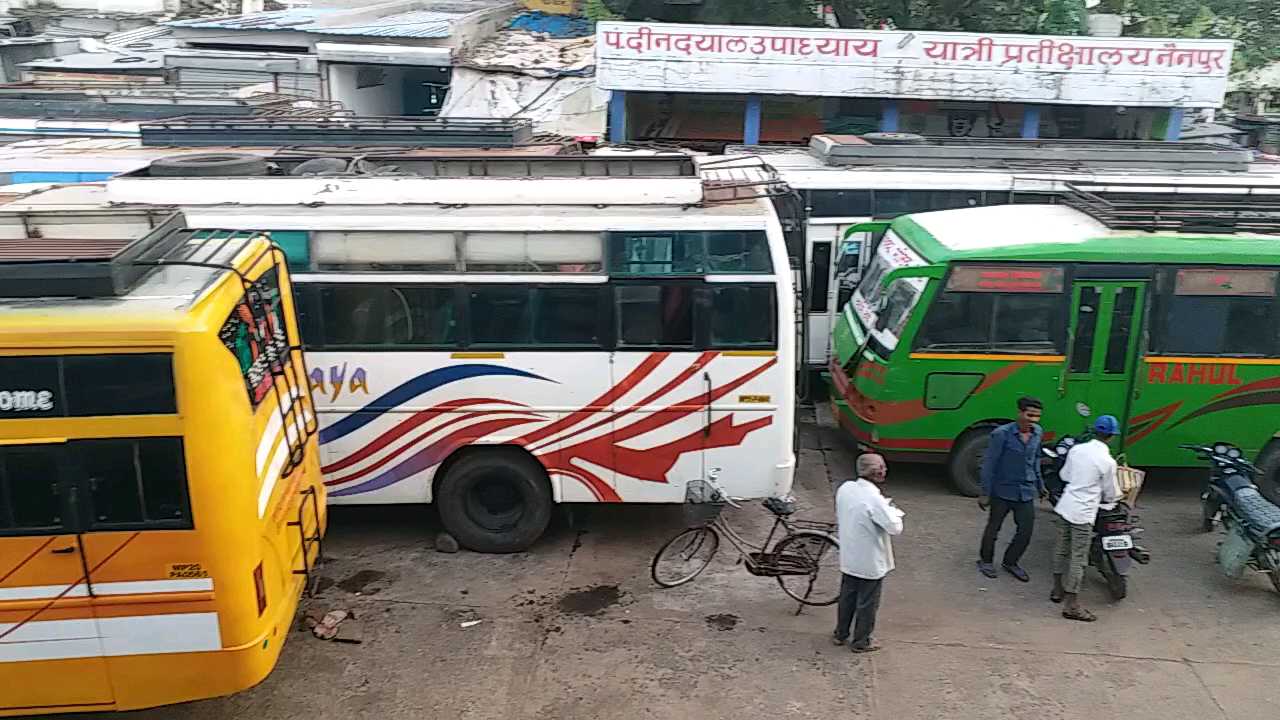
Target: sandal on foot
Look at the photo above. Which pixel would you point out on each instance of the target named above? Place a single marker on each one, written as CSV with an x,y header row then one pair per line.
x,y
1079,614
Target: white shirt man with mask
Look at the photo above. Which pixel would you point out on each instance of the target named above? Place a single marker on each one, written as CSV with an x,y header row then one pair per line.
x,y
865,519
1090,477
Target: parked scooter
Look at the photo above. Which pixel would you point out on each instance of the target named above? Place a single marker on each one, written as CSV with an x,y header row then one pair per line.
x,y
1113,549
1251,521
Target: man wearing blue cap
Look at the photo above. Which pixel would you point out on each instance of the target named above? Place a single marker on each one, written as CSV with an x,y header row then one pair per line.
x,y
1090,477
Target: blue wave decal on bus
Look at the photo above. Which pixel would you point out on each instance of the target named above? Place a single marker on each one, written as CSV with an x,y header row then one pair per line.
x,y
411,389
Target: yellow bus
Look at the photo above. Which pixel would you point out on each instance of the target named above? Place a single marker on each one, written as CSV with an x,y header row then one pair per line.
x,y
161,505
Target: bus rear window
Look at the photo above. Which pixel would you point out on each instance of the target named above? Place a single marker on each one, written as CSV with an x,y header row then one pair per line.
x,y
87,385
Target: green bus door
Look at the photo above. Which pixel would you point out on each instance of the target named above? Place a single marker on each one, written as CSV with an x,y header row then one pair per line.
x,y
1102,352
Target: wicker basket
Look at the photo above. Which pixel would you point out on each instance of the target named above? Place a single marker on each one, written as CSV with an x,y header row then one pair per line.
x,y
1130,480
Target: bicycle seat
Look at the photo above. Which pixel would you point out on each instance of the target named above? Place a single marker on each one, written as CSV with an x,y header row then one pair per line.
x,y
780,506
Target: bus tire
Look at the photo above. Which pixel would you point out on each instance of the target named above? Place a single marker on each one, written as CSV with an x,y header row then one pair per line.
x,y
1269,470
495,500
965,464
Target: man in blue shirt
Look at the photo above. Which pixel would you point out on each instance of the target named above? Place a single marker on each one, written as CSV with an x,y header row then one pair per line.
x,y
1011,482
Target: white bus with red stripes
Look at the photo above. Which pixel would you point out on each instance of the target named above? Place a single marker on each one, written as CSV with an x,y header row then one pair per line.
x,y
583,331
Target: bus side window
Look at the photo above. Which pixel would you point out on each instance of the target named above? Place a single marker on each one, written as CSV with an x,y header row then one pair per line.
x,y
29,501
1000,322
655,315
743,316
1220,312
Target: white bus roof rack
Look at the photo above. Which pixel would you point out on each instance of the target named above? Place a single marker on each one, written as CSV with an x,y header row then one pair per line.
x,y
459,181
913,150
111,267
1179,208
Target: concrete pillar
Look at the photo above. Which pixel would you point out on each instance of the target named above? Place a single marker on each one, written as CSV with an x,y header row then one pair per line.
x,y
889,116
1030,122
617,116
751,121
1173,130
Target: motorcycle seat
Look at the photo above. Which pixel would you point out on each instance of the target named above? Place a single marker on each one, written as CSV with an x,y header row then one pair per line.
x,y
1261,514
1236,482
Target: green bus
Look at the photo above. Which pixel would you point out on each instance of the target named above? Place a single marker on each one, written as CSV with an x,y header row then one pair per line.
x,y
1168,324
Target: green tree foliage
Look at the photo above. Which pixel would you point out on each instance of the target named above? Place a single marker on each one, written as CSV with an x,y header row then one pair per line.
x,y
798,13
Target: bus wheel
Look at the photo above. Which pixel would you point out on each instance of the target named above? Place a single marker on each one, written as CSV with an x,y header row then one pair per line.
x,y
1269,471
495,500
965,464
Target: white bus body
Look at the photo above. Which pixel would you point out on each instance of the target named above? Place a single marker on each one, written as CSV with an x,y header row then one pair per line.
x,y
568,334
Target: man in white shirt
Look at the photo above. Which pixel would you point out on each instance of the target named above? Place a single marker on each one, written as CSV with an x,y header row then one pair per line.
x,y
865,520
1090,477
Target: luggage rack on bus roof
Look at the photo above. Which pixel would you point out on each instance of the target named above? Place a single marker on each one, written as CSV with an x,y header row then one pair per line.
x,y
110,267
1178,208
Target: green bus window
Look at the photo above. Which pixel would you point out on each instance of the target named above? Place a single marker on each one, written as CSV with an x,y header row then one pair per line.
x,y
28,491
1004,322
1086,328
655,315
742,316
901,297
1121,328
1221,312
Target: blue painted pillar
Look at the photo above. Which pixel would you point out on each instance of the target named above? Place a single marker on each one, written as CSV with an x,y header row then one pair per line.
x,y
751,121
1173,131
889,116
1030,122
618,116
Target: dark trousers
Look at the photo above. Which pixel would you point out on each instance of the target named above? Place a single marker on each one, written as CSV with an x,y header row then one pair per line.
x,y
1024,515
859,599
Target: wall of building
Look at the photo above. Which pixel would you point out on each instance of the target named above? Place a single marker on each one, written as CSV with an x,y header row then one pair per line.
x,y
368,90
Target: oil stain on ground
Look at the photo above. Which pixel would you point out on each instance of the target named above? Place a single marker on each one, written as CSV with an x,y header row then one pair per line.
x,y
359,583
722,621
590,601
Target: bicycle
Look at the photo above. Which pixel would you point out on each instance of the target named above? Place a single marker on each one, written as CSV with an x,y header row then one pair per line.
x,y
805,561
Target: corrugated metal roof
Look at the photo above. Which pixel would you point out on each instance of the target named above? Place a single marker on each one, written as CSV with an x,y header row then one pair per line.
x,y
142,34
435,21
413,24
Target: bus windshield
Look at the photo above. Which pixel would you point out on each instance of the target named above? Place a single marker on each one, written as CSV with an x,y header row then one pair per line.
x,y
881,310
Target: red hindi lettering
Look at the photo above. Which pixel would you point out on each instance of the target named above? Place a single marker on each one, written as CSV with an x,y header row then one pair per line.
x,y
1043,53
1210,60
760,45
833,46
735,44
639,40
682,42
1110,56
710,43
1139,56
941,50
1015,53
868,48
978,50
613,38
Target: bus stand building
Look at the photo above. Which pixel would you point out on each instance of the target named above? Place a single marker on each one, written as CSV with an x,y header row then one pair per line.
x,y
746,84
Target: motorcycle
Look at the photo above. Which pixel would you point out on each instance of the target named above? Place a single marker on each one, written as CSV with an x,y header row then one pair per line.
x,y
1251,522
1113,549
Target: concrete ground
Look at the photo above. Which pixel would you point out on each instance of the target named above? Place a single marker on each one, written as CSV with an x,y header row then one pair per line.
x,y
576,628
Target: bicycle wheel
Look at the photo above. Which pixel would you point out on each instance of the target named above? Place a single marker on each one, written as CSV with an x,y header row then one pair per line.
x,y
820,556
684,556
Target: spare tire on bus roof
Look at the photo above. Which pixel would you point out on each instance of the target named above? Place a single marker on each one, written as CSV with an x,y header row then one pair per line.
x,y
893,138
209,165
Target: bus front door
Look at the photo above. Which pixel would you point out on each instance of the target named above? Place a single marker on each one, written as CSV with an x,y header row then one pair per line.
x,y
50,647
1105,329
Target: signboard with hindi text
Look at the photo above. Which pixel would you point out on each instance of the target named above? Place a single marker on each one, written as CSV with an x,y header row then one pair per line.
x,y
662,57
